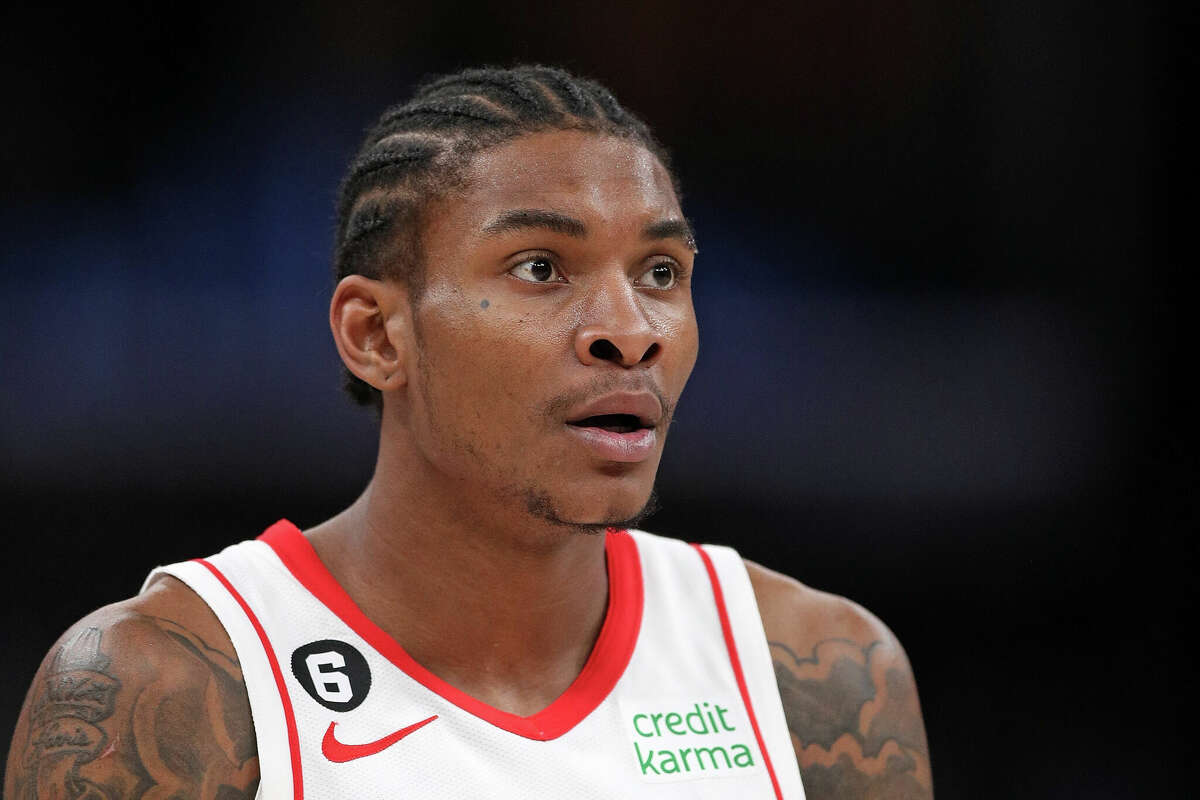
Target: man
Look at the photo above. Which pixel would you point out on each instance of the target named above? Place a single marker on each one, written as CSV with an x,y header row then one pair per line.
x,y
514,298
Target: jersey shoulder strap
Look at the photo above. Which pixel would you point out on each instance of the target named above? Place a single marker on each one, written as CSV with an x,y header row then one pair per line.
x,y
716,575
234,582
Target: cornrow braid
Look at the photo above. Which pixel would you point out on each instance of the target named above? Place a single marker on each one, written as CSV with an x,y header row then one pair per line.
x,y
419,149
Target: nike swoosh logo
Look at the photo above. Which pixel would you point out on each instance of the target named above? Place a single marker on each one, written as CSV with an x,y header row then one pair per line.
x,y
340,753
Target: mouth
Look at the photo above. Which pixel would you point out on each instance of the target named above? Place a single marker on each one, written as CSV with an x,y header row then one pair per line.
x,y
613,423
620,438
618,427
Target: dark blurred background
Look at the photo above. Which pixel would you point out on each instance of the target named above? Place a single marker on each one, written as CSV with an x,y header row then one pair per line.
x,y
938,320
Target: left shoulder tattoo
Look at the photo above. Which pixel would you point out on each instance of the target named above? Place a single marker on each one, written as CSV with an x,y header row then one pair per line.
x,y
855,721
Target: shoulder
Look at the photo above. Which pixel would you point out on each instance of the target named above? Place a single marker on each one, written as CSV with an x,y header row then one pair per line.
x,y
142,694
795,612
848,693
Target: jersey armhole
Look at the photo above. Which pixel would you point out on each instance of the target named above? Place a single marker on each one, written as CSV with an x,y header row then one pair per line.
x,y
747,640
270,705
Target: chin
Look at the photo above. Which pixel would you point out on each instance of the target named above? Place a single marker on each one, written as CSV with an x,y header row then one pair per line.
x,y
618,512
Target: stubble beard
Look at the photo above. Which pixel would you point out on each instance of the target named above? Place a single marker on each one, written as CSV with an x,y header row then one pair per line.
x,y
540,504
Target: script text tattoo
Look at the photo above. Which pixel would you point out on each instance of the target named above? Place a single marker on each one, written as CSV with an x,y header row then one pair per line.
x,y
102,726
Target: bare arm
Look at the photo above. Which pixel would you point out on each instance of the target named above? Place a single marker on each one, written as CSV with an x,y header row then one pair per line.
x,y
848,694
133,704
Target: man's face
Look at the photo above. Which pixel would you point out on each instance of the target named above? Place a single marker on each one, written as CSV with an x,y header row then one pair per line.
x,y
556,329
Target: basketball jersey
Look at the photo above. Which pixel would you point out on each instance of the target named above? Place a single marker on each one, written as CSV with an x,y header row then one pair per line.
x,y
677,700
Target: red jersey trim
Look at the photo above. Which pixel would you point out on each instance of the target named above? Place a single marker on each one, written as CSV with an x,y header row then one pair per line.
x,y
736,662
607,662
285,699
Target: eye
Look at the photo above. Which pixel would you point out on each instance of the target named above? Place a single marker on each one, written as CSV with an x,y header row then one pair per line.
x,y
539,269
662,275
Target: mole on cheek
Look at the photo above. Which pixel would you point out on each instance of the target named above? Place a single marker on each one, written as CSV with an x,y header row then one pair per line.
x,y
484,303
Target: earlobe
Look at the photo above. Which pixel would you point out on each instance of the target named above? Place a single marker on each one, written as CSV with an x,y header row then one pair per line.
x,y
369,322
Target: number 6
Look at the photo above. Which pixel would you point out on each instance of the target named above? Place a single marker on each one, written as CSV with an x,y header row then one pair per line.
x,y
330,684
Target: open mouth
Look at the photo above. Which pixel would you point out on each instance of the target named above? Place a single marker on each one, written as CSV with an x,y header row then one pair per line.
x,y
620,438
614,423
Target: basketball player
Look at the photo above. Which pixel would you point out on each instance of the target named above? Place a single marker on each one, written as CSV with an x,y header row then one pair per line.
x,y
514,297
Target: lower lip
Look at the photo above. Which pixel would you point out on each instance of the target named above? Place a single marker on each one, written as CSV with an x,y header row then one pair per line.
x,y
629,447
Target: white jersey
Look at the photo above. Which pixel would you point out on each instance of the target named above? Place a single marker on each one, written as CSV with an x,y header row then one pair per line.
x,y
677,700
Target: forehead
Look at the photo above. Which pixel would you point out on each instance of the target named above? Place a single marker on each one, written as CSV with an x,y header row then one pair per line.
x,y
584,174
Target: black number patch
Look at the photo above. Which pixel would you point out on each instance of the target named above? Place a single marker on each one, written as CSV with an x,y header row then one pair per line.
x,y
333,673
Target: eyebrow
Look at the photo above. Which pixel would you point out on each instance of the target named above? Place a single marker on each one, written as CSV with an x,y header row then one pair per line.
x,y
672,229
520,219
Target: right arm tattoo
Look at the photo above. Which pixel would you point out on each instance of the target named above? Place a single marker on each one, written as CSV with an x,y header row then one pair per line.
x,y
141,708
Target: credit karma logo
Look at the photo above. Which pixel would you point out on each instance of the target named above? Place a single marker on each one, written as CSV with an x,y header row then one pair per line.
x,y
674,740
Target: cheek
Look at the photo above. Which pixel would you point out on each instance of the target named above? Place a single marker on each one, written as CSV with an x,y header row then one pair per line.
x,y
487,374
682,336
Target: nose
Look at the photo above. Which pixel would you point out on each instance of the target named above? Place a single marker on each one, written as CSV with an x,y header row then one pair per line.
x,y
619,332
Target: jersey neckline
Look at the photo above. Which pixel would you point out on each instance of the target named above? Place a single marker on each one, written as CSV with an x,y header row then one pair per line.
x,y
605,665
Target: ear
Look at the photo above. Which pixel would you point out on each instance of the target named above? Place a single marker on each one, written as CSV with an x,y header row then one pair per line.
x,y
372,327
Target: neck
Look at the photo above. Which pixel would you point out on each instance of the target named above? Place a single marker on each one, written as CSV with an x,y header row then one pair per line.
x,y
498,604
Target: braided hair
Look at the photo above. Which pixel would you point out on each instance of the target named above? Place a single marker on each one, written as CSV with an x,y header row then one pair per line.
x,y
419,150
